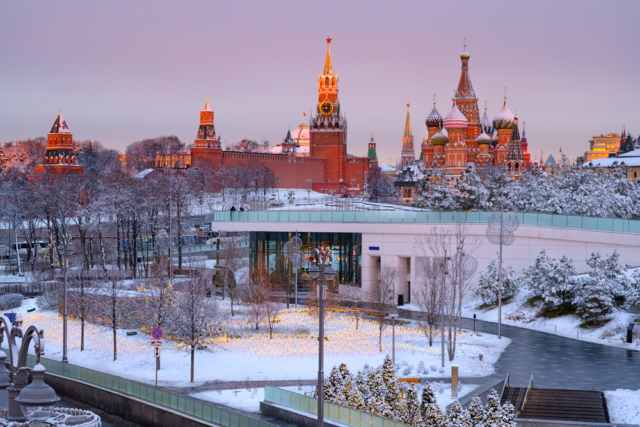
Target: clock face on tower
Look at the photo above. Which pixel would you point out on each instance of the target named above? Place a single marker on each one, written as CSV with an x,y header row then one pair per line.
x,y
326,108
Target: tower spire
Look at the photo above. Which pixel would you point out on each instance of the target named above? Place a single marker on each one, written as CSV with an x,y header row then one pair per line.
x,y
407,125
328,66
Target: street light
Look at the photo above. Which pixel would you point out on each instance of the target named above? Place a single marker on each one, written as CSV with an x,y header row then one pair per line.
x,y
66,250
393,348
37,396
321,270
37,399
443,266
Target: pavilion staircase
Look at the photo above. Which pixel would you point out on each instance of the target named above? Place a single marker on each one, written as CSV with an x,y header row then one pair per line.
x,y
555,404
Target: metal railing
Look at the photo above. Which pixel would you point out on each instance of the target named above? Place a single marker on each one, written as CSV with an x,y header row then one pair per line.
x,y
332,411
424,217
504,387
181,404
524,402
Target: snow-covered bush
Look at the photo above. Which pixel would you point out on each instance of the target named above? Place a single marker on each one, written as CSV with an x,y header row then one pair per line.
x,y
48,300
550,279
407,370
421,367
488,283
10,301
434,368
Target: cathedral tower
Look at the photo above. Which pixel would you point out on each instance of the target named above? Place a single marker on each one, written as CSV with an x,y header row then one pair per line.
x,y
328,129
503,123
408,154
466,99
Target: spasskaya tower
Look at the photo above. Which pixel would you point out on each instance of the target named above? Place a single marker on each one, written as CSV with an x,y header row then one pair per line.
x,y
328,128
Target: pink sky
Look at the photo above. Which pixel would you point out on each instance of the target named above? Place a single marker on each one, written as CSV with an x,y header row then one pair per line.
x,y
122,71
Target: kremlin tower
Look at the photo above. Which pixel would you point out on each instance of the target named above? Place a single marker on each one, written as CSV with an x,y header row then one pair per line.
x,y
408,153
60,155
372,155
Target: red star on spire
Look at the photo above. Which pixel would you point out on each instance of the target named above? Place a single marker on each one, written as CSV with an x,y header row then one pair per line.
x,y
329,40
407,105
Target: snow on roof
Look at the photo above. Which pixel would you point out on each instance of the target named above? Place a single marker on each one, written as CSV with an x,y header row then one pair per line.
x,y
633,153
387,168
144,173
607,162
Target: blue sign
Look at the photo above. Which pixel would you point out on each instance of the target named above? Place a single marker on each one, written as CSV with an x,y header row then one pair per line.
x,y
374,248
157,333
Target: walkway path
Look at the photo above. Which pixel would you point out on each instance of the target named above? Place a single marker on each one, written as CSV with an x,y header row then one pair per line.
x,y
558,362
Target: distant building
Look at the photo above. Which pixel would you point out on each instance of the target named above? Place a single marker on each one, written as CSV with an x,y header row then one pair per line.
x,y
601,146
60,155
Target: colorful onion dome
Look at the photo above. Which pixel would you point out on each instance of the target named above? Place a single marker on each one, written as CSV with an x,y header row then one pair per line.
x,y
504,119
484,139
487,126
455,119
465,54
434,120
440,138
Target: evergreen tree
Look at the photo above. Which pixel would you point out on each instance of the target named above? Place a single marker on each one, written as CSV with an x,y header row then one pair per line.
x,y
344,371
411,415
394,394
496,415
537,277
594,299
363,387
333,391
430,412
476,412
488,283
458,417
564,283
351,395
377,404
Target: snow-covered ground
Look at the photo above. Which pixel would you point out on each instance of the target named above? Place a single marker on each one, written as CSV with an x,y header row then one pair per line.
x,y
249,399
623,406
514,313
288,356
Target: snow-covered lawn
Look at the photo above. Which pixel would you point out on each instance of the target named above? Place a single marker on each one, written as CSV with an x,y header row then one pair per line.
x,y
289,356
249,400
623,406
514,313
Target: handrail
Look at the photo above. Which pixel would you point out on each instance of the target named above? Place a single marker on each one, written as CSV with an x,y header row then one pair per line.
x,y
526,395
181,404
504,386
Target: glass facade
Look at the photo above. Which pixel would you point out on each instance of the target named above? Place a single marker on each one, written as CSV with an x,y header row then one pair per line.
x,y
266,253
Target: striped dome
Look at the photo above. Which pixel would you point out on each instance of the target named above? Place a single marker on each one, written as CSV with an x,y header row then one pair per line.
x,y
487,126
434,120
504,119
440,138
455,119
484,139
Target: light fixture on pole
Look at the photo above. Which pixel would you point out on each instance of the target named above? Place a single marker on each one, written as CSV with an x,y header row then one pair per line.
x,y
321,270
66,251
500,232
37,399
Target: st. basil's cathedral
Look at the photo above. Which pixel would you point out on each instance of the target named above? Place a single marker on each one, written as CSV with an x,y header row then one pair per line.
x,y
462,139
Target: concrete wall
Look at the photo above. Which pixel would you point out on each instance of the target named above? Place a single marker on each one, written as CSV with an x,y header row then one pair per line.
x,y
135,410
397,243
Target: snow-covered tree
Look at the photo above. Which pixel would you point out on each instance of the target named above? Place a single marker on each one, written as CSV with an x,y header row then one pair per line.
x,y
488,283
476,412
115,307
435,193
430,412
411,413
351,395
497,415
594,298
378,404
195,315
362,384
333,389
550,279
458,416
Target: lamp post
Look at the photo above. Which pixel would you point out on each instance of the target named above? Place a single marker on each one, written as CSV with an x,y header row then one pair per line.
x,y
66,250
24,399
445,272
393,348
321,270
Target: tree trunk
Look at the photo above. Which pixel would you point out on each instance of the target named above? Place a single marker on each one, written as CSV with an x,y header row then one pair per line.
x,y
115,344
82,333
193,350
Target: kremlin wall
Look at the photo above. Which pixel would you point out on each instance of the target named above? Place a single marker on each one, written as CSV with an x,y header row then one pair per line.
x,y
316,153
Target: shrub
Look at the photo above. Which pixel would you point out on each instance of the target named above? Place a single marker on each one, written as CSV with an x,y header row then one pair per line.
x,y
10,301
